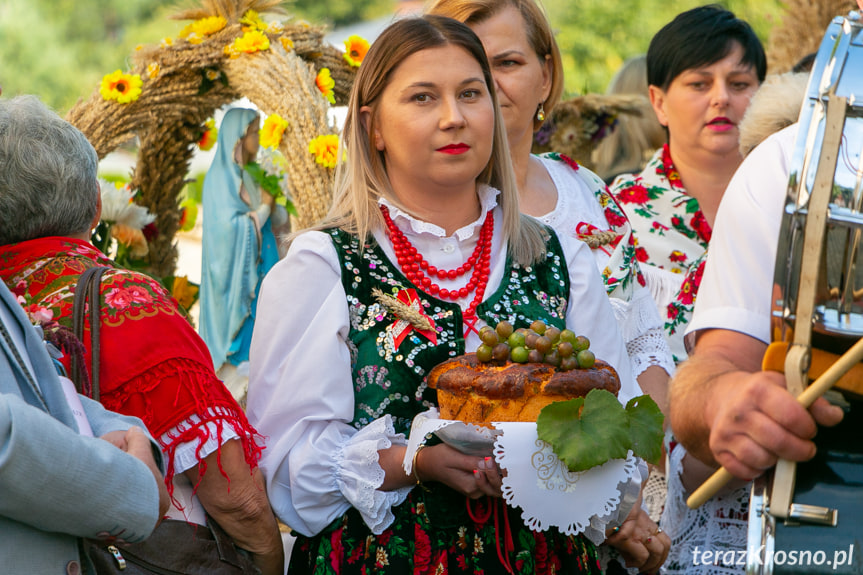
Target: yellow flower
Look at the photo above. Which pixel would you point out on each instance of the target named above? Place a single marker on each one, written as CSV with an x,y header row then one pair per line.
x,y
287,43
153,70
167,42
253,20
132,238
122,87
326,150
213,75
139,47
272,130
325,84
250,42
275,28
199,29
211,134
184,292
355,50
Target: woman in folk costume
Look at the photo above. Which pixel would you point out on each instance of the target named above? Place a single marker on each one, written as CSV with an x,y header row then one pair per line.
x,y
152,363
425,210
238,242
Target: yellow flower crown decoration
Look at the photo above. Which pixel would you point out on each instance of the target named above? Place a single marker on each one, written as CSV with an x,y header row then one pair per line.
x,y
123,88
325,83
272,130
326,150
250,42
197,31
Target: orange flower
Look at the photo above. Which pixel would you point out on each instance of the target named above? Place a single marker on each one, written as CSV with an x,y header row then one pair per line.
x,y
131,238
325,84
122,87
326,150
184,291
355,50
272,130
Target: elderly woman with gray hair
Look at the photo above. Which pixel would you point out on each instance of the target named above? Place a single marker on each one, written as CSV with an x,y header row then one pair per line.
x,y
152,363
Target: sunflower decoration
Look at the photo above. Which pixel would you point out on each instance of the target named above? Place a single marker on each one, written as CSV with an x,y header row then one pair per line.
x,y
251,20
272,130
326,150
123,88
325,83
355,50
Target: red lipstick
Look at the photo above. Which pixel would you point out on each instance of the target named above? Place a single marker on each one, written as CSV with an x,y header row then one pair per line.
x,y
454,149
720,124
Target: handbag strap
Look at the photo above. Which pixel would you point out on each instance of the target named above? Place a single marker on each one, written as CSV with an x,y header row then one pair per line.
x,y
88,288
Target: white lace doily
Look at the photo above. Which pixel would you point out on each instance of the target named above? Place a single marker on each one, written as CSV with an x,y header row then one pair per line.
x,y
548,494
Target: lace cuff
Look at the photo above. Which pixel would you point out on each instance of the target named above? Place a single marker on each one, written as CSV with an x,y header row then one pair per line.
x,y
649,349
359,475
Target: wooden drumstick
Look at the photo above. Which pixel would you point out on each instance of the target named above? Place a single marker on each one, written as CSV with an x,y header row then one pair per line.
x,y
829,378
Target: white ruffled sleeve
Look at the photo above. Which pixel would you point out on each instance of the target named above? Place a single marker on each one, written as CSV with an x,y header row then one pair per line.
x,y
642,330
590,313
317,465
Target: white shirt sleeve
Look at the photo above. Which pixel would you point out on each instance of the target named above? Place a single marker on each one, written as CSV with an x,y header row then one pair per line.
x,y
736,291
301,397
590,314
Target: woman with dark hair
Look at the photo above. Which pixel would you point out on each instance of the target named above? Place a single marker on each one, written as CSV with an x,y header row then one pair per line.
x,y
333,385
702,70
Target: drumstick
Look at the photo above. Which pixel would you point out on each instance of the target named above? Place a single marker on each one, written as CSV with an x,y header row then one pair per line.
x,y
716,481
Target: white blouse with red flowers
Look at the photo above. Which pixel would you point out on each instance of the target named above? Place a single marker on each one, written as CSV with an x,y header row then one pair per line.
x,y
672,240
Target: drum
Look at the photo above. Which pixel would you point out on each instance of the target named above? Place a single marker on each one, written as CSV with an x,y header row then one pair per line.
x,y
811,520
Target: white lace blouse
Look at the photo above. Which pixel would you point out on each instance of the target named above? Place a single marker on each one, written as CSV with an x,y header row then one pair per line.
x,y
317,465
637,317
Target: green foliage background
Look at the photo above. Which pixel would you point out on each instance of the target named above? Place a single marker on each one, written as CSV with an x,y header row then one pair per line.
x,y
60,49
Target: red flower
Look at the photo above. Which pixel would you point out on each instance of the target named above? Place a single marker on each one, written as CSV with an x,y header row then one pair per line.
x,y
614,218
569,162
660,227
677,256
150,231
676,221
673,310
137,294
635,194
701,227
541,553
422,551
20,288
641,254
117,298
337,550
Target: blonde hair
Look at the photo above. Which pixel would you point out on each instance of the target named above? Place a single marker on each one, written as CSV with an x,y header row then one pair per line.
x,y
539,34
635,137
363,180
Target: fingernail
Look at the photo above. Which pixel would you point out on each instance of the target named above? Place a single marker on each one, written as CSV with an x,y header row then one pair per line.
x,y
476,474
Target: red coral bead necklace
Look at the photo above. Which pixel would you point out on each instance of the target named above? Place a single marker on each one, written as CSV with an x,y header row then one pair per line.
x,y
415,267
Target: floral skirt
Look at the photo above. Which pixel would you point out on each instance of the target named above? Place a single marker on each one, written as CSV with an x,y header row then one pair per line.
x,y
434,532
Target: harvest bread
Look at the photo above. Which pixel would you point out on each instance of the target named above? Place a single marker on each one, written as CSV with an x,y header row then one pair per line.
x,y
477,392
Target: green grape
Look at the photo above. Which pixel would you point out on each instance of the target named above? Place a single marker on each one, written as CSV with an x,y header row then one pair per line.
x,y
543,344
538,326
484,353
568,335
516,340
552,358
552,333
504,329
519,354
534,356
564,348
500,352
489,336
568,363
585,358
530,340
581,343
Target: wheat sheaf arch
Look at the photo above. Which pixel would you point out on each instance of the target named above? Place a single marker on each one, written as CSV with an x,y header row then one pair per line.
x,y
185,82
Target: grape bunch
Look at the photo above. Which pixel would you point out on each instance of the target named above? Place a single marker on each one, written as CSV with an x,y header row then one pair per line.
x,y
538,344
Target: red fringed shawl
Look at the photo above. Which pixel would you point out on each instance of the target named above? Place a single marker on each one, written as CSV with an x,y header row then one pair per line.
x,y
153,364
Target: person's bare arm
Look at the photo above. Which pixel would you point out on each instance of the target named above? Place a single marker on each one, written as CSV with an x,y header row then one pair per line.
x,y
727,412
239,504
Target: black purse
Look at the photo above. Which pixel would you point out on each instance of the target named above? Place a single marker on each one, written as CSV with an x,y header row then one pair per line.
x,y
175,547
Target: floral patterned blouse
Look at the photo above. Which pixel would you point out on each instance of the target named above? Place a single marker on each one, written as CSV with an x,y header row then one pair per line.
x,y
672,240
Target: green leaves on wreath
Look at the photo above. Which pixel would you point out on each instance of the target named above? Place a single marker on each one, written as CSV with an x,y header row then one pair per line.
x,y
588,431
